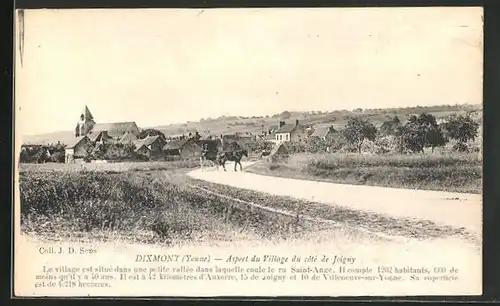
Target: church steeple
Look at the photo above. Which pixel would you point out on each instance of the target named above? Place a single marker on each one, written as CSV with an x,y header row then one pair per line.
x,y
85,124
87,115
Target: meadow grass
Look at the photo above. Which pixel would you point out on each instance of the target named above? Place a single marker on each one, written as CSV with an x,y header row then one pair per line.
x,y
143,206
455,172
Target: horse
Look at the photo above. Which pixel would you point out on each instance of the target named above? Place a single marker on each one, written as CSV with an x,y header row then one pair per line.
x,y
235,156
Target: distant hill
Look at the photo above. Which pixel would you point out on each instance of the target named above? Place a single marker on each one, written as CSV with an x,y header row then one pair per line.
x,y
256,124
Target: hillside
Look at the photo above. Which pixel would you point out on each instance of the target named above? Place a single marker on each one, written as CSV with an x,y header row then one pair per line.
x,y
239,124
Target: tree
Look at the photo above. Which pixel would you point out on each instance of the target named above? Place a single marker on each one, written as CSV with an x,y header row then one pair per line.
x,y
151,132
431,132
259,145
462,129
298,146
57,153
35,154
285,115
389,127
315,145
410,138
357,130
420,132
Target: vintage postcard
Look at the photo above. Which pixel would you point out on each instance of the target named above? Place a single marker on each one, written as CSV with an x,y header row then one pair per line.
x,y
248,152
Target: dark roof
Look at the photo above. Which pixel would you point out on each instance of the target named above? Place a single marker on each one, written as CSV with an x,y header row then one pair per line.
x,y
321,131
128,137
93,136
150,140
177,144
146,141
115,129
75,142
287,128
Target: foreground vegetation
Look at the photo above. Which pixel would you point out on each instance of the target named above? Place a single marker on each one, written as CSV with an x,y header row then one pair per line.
x,y
454,172
141,206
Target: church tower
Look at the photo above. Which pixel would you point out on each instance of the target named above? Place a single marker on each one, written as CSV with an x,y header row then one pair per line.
x,y
86,123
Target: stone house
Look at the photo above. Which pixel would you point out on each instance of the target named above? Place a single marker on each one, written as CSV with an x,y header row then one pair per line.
x,y
290,132
79,149
183,149
152,146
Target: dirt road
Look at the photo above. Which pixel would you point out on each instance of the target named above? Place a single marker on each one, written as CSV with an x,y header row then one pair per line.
x,y
454,209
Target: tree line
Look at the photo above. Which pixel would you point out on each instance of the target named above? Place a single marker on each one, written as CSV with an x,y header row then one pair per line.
x,y
417,133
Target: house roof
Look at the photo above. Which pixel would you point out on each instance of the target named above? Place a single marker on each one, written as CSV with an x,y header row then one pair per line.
x,y
141,146
75,142
287,128
150,140
93,136
146,141
321,131
128,137
116,128
176,144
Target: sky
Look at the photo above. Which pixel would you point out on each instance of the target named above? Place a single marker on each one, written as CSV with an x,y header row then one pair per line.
x,y
157,67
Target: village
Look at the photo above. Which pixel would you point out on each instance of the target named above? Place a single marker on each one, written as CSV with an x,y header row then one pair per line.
x,y
126,141
91,138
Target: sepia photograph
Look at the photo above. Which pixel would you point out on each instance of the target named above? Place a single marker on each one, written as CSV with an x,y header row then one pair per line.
x,y
248,152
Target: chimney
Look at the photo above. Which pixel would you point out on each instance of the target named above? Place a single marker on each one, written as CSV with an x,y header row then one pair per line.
x,y
282,123
296,122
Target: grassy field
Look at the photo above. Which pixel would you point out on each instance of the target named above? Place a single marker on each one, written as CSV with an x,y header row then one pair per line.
x,y
146,206
455,172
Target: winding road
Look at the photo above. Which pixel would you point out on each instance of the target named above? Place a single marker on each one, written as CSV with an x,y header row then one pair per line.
x,y
444,208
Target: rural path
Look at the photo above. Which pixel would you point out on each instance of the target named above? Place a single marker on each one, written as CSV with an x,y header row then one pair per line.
x,y
445,208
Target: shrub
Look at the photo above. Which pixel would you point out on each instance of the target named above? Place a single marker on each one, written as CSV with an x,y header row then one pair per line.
x,y
386,144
